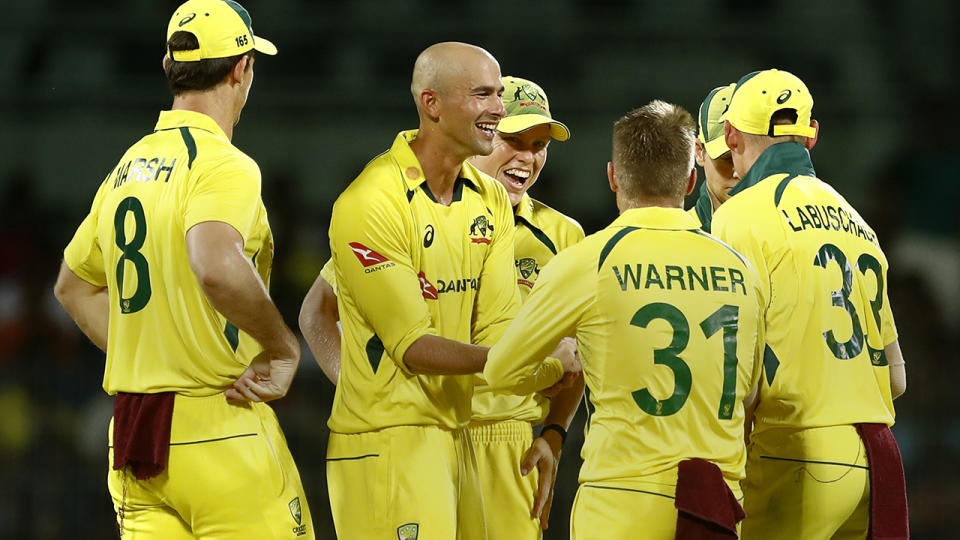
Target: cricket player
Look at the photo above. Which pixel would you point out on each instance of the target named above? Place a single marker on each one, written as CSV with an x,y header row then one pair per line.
x,y
713,155
501,425
832,362
168,274
669,327
422,246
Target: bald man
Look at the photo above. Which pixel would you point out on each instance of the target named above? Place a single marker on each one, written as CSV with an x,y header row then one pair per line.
x,y
422,246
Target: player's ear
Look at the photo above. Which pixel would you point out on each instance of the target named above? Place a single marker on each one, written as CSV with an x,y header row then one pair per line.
x,y
429,102
698,153
691,181
612,178
731,136
236,74
163,63
811,142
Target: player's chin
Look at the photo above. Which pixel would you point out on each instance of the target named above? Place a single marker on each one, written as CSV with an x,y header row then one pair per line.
x,y
483,147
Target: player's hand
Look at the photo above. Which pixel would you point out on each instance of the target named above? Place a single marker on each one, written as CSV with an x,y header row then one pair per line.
x,y
267,378
569,357
542,456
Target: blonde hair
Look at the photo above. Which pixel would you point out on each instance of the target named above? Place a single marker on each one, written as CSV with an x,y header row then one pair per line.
x,y
653,151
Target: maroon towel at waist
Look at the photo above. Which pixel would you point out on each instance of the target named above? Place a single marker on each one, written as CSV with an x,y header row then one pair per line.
x,y
706,508
141,432
888,492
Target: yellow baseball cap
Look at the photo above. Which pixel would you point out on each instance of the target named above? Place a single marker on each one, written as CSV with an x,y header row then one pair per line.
x,y
527,106
760,94
710,125
222,27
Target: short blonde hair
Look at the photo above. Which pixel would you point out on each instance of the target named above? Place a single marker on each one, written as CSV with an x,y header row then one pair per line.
x,y
653,150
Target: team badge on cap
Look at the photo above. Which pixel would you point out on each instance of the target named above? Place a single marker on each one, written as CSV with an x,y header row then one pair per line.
x,y
527,106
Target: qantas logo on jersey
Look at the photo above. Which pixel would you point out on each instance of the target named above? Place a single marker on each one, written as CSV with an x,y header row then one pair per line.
x,y
367,256
429,291
479,228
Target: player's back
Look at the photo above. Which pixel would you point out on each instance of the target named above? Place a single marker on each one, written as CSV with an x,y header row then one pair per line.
x,y
669,347
828,319
163,333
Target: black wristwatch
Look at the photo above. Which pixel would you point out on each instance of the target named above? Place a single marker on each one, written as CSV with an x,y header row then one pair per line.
x,y
558,428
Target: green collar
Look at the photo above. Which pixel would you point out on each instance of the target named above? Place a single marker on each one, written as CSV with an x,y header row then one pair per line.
x,y
787,157
791,158
704,208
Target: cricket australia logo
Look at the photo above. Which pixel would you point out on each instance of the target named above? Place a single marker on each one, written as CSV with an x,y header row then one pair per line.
x,y
410,531
479,229
294,506
528,95
528,269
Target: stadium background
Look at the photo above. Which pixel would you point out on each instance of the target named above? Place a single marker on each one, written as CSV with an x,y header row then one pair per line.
x,y
82,80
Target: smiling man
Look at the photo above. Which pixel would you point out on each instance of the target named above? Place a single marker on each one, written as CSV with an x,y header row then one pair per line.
x,y
422,246
501,424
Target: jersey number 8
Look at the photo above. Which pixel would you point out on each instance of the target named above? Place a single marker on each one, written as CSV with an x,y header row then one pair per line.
x,y
131,252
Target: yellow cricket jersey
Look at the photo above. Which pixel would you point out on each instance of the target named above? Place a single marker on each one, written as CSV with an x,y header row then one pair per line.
x,y
541,232
668,322
696,217
828,317
407,266
164,335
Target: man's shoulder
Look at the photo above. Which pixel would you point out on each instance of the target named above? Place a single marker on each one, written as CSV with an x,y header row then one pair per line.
x,y
379,180
547,217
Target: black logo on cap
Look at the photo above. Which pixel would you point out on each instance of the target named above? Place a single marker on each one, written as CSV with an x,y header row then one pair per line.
x,y
784,96
186,19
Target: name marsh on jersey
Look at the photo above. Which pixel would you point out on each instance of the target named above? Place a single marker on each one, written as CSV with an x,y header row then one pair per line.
x,y
676,277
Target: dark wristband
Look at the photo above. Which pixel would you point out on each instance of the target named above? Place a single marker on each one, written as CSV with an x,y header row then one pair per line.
x,y
558,428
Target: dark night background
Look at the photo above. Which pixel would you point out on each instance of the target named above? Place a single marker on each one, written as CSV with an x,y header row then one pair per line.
x,y
81,81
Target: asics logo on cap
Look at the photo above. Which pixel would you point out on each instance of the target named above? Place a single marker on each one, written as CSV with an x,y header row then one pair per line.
x,y
784,96
186,19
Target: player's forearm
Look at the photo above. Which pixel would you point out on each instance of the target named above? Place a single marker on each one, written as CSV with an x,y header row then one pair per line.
x,y
435,355
318,323
563,406
87,304
898,372
235,290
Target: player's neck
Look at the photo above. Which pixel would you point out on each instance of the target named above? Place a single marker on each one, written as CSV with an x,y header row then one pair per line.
x,y
211,103
624,204
441,165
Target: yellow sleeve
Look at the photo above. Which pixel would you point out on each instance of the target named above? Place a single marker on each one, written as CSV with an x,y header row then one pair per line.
x,y
228,192
387,294
498,298
329,275
561,296
83,254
